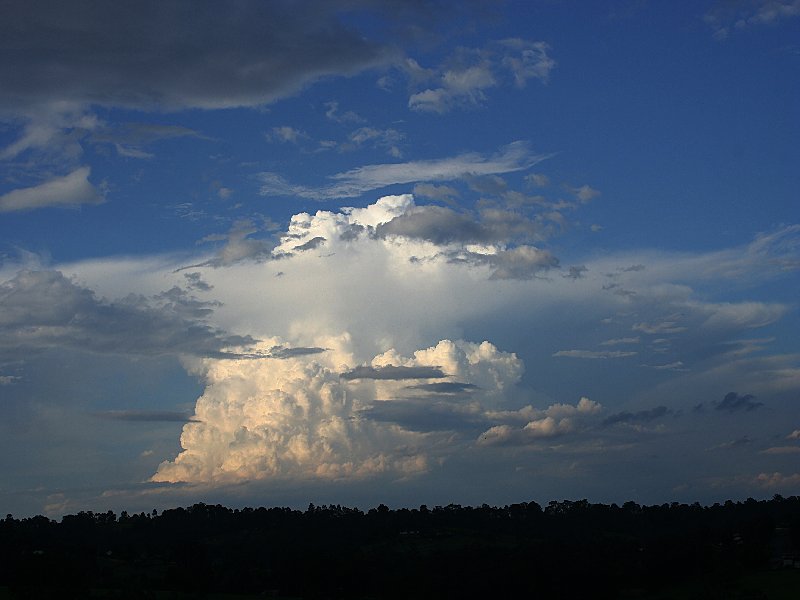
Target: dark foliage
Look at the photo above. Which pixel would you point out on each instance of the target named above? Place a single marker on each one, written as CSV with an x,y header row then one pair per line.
x,y
565,550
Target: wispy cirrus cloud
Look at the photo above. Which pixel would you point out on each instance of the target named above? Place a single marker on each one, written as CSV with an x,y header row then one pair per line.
x,y
725,17
516,156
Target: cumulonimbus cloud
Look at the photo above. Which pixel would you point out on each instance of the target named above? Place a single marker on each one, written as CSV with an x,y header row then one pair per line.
x,y
301,418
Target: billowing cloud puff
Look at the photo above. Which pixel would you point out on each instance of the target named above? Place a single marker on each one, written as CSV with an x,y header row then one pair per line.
x,y
556,420
307,416
431,233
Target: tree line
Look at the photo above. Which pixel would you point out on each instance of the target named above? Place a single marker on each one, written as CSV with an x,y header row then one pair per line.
x,y
565,549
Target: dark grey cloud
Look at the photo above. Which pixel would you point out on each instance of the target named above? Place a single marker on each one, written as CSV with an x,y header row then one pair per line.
x,y
194,281
394,373
238,246
44,309
311,244
426,415
733,402
171,55
737,443
442,225
576,272
642,416
444,387
284,352
352,232
437,224
147,416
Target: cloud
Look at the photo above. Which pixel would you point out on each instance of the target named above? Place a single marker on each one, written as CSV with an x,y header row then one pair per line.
x,y
388,139
554,421
782,450
530,61
538,179
427,415
777,480
621,341
194,281
394,373
129,139
727,16
516,156
795,435
445,387
287,134
284,352
301,419
443,193
70,190
226,58
44,309
271,419
463,86
437,224
595,354
733,402
311,244
673,366
238,246
348,116
737,443
585,193
463,81
641,416
576,272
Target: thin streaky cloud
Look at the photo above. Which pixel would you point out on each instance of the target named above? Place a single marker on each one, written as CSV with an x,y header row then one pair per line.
x,y
516,156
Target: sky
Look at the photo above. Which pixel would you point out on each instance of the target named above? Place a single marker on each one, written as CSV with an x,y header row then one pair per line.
x,y
379,251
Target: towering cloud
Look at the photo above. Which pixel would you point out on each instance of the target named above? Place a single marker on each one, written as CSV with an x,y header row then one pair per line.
x,y
308,416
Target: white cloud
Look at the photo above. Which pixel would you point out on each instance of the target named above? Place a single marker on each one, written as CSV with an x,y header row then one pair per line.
x,y
530,62
298,418
287,134
70,190
554,421
463,87
585,193
348,116
129,152
463,80
726,16
513,157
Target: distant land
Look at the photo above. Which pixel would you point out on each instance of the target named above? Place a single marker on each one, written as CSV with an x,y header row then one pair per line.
x,y
567,549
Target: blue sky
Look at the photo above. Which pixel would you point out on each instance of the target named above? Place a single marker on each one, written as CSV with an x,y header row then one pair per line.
x,y
401,252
